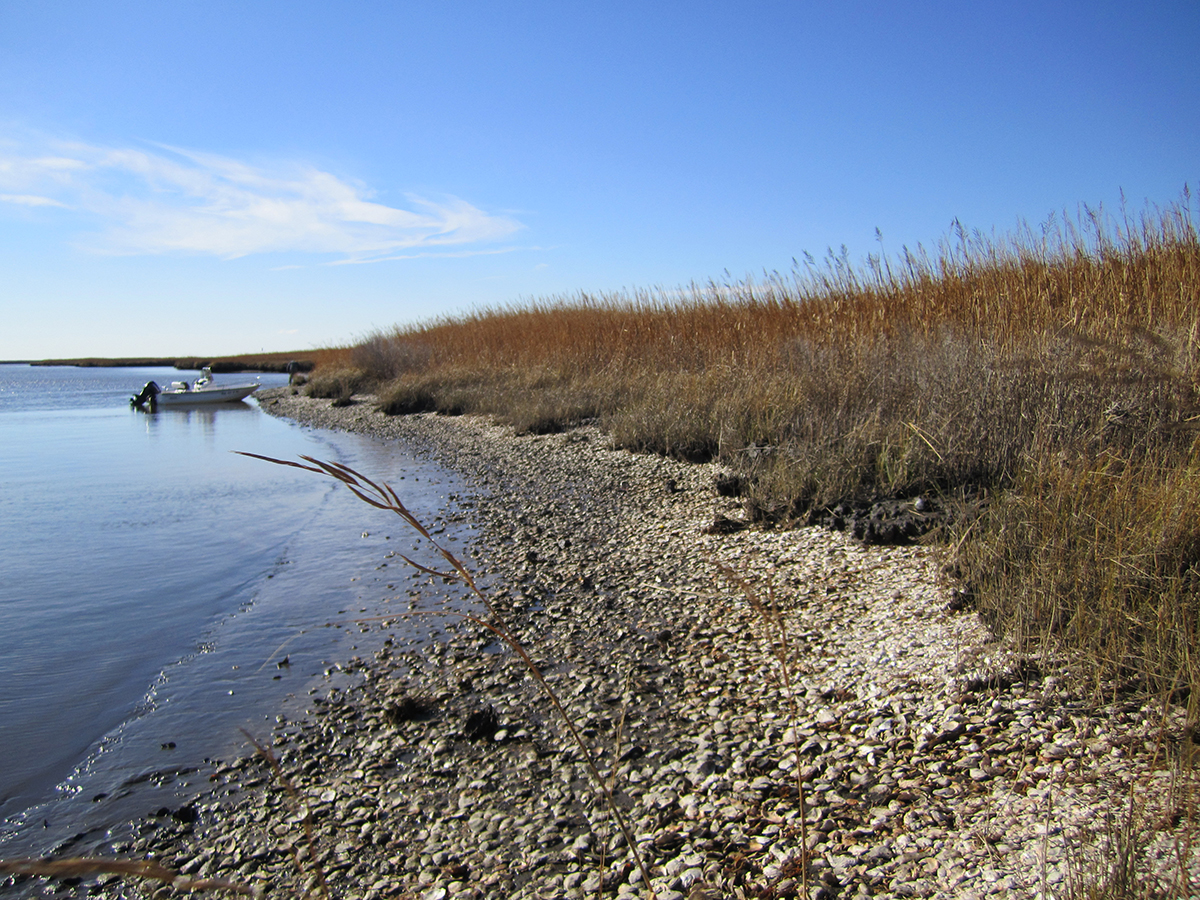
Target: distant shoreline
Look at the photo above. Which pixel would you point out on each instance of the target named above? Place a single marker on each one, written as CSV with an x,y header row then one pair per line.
x,y
303,361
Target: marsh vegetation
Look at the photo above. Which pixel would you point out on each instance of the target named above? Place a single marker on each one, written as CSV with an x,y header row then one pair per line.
x,y
1041,386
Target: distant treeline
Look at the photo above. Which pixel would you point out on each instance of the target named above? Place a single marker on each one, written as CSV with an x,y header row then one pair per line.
x,y
304,361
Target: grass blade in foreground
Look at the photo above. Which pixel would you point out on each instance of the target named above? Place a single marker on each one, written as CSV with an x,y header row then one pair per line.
x,y
83,867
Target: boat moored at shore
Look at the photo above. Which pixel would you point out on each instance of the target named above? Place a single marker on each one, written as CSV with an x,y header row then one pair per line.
x,y
183,393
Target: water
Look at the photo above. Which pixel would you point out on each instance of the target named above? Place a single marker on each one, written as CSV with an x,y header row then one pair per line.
x,y
151,582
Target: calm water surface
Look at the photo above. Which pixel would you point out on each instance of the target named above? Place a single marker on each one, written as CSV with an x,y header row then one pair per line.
x,y
151,581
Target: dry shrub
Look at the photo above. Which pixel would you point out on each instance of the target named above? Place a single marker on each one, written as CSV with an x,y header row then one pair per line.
x,y
451,392
407,397
548,402
673,413
386,357
338,384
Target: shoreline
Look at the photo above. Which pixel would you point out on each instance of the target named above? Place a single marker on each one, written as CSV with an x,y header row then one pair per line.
x,y
934,764
284,362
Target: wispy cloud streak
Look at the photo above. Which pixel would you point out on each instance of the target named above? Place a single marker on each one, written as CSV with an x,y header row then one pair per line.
x,y
169,200
29,200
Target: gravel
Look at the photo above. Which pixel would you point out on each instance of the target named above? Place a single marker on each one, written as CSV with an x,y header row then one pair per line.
x,y
934,762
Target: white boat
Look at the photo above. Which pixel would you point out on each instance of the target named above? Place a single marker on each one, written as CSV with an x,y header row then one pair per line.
x,y
202,390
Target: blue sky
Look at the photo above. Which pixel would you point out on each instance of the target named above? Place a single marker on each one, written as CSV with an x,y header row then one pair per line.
x,y
216,178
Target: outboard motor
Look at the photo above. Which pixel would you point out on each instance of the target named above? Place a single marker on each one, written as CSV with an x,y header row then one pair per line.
x,y
148,395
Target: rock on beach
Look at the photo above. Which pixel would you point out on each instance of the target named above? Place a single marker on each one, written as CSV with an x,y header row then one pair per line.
x,y
710,673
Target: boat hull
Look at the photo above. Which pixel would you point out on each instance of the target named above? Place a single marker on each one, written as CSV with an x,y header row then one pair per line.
x,y
205,396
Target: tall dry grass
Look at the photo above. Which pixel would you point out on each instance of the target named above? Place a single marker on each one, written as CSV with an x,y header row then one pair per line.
x,y
1052,372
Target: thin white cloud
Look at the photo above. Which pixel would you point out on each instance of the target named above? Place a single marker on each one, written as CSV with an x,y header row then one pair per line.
x,y
444,254
170,200
30,200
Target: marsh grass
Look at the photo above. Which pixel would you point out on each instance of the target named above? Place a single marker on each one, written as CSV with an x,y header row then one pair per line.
x,y
1034,377
1101,554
